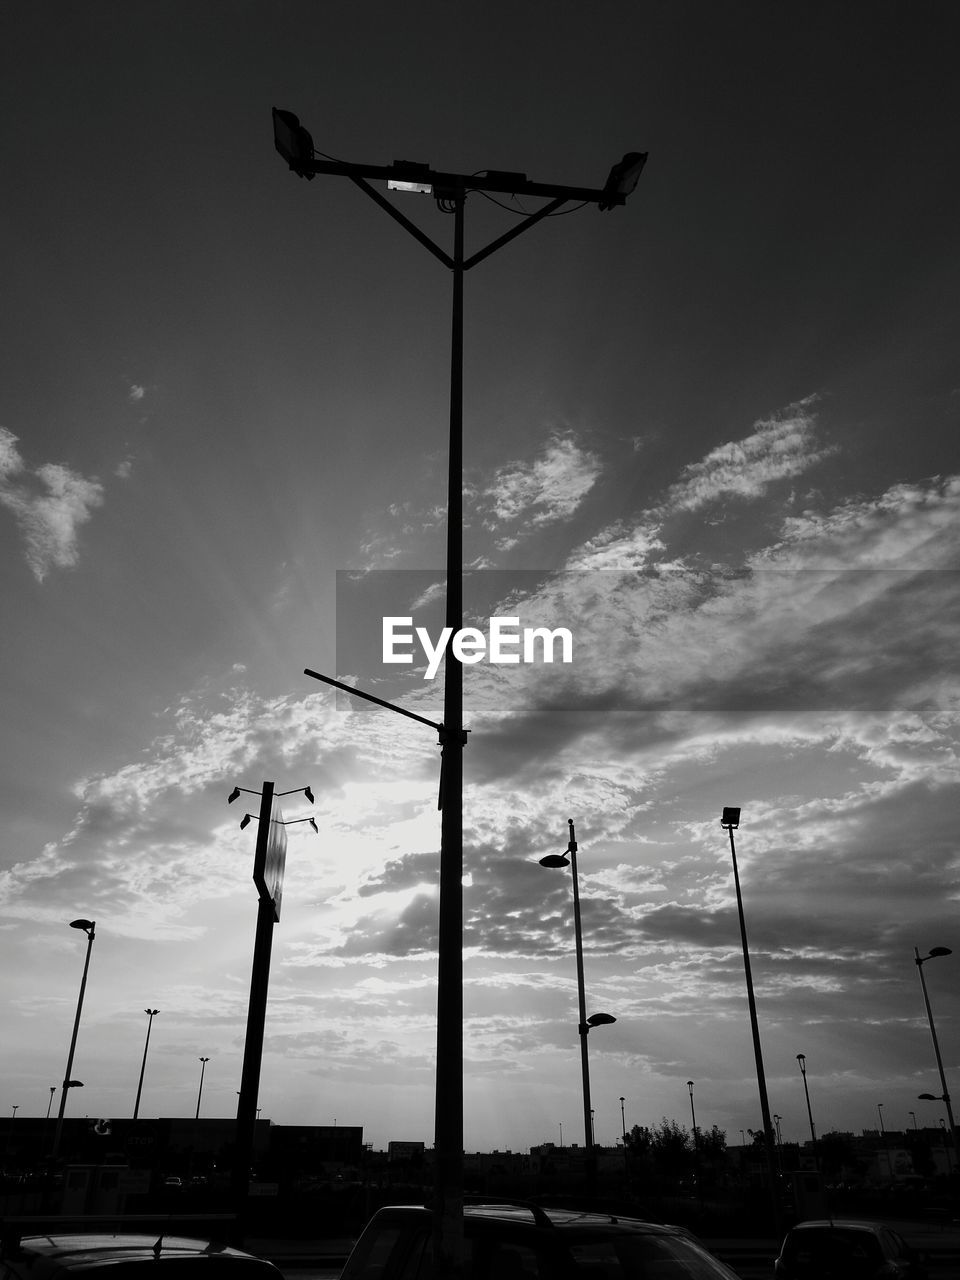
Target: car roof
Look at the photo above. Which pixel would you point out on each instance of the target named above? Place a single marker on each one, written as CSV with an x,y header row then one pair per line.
x,y
61,1252
547,1217
845,1224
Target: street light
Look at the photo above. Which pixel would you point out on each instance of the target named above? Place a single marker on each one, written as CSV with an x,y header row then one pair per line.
x,y
802,1060
89,928
203,1067
935,952
596,1019
151,1014
730,821
295,144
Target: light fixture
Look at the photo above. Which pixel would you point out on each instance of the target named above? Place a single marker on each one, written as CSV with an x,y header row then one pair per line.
x,y
622,179
730,819
245,820
293,142
309,794
600,1019
234,795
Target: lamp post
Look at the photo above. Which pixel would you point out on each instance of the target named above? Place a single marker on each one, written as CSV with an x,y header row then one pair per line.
x,y
203,1067
776,1121
920,962
450,191
913,1117
151,1014
802,1060
89,928
596,1019
623,1123
730,821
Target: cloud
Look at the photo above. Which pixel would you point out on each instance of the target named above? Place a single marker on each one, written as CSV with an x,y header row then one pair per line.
x,y
49,504
136,392
539,493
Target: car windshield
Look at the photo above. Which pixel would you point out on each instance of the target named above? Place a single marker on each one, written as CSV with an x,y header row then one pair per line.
x,y
646,1255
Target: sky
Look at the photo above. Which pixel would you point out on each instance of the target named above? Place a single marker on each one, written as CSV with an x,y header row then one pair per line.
x,y
713,433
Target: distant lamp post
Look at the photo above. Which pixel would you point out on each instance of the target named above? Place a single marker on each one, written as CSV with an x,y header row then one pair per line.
x,y
151,1014
935,952
595,1019
730,821
913,1117
53,1090
623,1123
89,928
776,1121
203,1067
802,1060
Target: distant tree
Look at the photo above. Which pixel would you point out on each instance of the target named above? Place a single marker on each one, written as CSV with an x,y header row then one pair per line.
x,y
712,1143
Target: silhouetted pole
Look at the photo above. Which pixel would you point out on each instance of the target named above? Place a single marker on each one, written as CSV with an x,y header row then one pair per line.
x,y
256,1019
295,145
920,961
730,820
151,1014
802,1060
203,1066
88,927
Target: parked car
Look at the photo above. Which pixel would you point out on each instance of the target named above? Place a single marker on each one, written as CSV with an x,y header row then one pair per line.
x,y
81,1255
843,1249
527,1242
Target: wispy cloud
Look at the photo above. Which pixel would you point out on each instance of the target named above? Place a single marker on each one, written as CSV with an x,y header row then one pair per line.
x,y
532,494
50,504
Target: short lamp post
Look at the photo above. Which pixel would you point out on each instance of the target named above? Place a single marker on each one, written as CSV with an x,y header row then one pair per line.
x,y
595,1019
89,928
203,1067
920,961
151,1014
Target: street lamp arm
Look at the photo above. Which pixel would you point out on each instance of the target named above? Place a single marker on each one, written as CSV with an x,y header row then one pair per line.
x,y
404,221
512,234
369,697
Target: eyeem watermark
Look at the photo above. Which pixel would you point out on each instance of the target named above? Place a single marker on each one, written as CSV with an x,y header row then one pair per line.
x,y
506,643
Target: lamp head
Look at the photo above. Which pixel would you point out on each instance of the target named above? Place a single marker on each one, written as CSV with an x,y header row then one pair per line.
x,y
245,820
939,951
151,1011
309,794
316,830
85,925
554,860
730,819
929,1097
600,1019
234,795
622,179
73,1084
293,142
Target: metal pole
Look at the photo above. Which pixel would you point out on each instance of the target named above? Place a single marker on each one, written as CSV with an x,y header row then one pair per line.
x,y
203,1067
584,1026
757,1051
448,1115
253,1040
143,1065
73,1043
936,1045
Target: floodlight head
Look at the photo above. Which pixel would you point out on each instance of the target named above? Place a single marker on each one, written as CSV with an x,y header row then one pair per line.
x,y
316,830
234,795
600,1019
730,819
293,142
622,179
309,794
245,820
554,860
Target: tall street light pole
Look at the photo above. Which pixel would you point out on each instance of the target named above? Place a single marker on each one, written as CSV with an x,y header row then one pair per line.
x,y
89,928
730,821
802,1060
596,1019
203,1067
450,191
151,1014
920,962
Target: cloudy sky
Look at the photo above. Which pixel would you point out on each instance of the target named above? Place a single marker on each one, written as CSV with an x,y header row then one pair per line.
x,y
713,433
